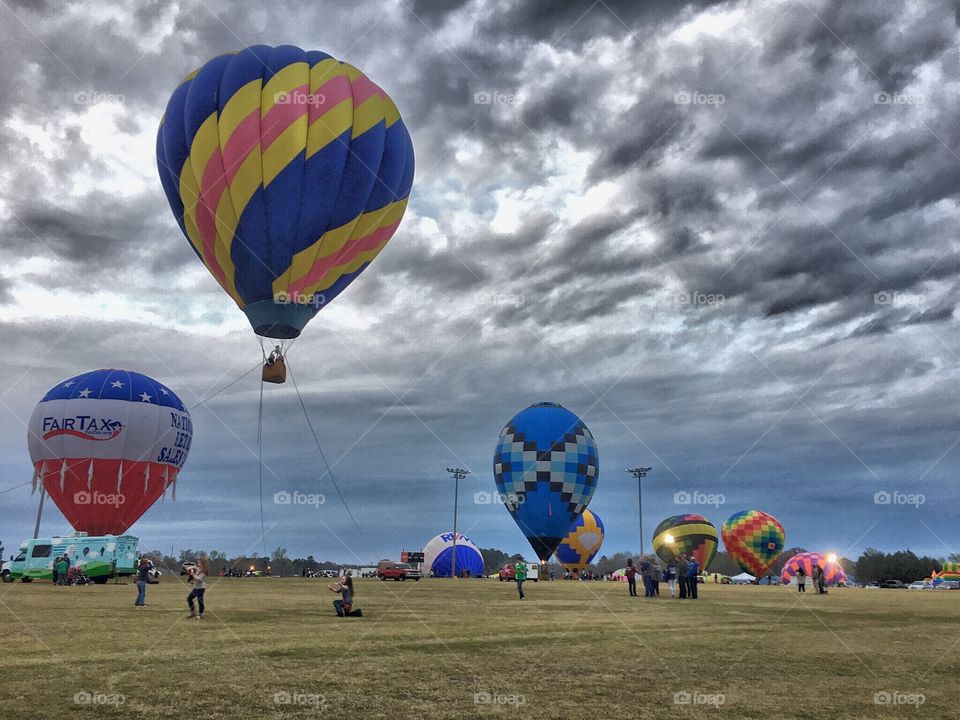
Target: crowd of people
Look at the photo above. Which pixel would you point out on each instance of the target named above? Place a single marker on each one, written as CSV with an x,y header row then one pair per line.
x,y
818,580
681,575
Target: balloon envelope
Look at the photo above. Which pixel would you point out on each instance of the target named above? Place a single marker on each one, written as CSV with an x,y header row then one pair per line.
x,y
288,171
546,468
687,535
106,445
754,540
581,544
832,571
438,556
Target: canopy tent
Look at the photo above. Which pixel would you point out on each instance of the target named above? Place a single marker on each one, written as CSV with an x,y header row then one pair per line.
x,y
743,577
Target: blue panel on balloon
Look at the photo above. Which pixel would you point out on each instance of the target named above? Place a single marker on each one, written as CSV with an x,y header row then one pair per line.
x,y
546,466
467,559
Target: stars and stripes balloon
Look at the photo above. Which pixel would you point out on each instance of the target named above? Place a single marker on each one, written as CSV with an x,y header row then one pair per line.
x,y
546,467
754,540
288,171
581,544
106,445
832,571
686,535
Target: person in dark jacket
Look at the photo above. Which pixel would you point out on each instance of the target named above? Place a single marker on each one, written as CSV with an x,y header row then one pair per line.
x,y
656,576
143,576
645,575
683,567
801,579
631,573
670,575
692,579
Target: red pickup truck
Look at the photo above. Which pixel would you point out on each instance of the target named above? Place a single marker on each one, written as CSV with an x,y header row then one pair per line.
x,y
389,570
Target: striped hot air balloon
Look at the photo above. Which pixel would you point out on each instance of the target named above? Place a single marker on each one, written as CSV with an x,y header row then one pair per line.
x,y
832,571
581,544
754,540
687,535
288,171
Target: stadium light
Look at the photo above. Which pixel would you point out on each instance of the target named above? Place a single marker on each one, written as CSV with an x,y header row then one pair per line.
x,y
457,474
639,473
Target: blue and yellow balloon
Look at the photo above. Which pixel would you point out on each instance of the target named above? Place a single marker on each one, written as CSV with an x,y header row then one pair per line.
x,y
581,544
288,171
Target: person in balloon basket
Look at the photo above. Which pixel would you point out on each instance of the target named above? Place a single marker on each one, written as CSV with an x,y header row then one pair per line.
x,y
520,574
197,576
801,580
143,577
692,580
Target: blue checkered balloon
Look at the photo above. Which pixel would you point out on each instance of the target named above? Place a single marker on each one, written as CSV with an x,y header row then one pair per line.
x,y
546,467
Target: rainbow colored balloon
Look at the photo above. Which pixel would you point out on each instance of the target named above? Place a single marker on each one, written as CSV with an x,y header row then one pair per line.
x,y
754,540
948,571
581,544
288,171
687,535
832,571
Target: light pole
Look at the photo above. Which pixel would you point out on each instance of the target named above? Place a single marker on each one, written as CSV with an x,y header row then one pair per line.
x,y
639,473
457,474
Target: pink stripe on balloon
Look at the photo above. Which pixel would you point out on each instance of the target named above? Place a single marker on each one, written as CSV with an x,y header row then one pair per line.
x,y
211,190
241,143
328,96
347,253
285,111
363,89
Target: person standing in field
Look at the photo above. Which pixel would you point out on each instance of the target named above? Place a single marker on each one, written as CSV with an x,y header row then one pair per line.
x,y
62,566
656,576
520,574
631,573
670,575
692,578
143,573
801,580
197,577
683,567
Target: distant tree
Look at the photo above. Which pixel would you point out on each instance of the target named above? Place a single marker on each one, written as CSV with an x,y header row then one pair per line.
x,y
904,565
493,560
725,565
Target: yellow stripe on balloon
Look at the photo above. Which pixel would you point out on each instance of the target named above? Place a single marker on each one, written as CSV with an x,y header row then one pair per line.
x,y
284,149
329,126
323,72
367,115
226,221
368,223
243,102
282,84
390,112
189,195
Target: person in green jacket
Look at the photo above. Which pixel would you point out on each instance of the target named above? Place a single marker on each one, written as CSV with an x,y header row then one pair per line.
x,y
520,574
62,566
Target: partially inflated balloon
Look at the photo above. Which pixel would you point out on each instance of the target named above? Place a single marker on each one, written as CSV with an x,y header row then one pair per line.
x,y
949,571
832,571
686,535
580,545
546,467
754,540
106,445
288,171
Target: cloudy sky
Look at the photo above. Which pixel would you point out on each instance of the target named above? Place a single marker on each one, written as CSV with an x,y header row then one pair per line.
x,y
723,233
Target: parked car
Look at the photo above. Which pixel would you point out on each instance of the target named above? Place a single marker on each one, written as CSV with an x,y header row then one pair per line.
x,y
893,584
921,585
187,567
389,570
507,572
947,585
5,572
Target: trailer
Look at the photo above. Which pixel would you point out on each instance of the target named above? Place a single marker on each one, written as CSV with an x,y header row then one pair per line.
x,y
101,557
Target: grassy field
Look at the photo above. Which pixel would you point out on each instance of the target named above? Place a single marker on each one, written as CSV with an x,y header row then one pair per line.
x,y
469,649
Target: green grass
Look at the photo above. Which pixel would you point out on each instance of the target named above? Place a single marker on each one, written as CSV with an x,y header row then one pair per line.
x,y
424,650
